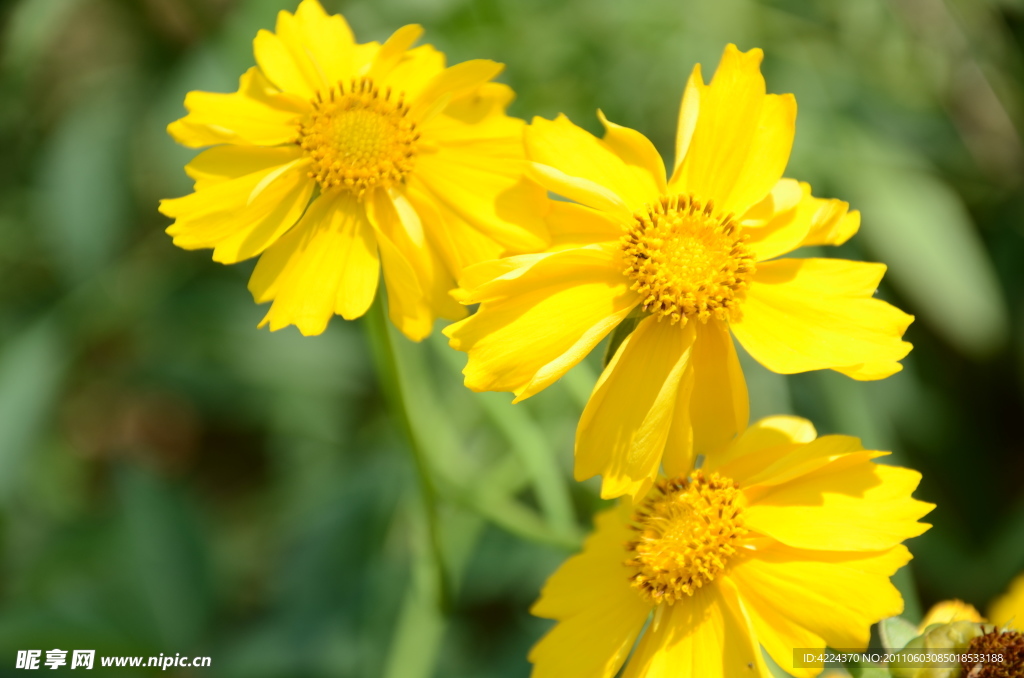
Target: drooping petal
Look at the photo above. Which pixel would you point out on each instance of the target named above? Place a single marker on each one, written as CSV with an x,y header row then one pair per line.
x,y
796,596
849,504
531,329
719,406
625,425
741,141
394,215
256,114
577,153
812,314
698,637
599,614
241,217
407,300
712,407
327,264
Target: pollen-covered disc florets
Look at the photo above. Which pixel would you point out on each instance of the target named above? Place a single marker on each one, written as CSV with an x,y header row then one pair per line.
x,y
1001,654
359,137
687,260
689,529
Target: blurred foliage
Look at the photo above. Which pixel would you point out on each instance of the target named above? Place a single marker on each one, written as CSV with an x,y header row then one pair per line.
x,y
173,480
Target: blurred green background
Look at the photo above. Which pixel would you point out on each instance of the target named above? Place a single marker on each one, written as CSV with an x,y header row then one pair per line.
x,y
173,480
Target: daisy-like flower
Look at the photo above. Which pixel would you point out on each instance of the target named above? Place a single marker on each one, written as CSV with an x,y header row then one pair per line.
x,y
335,159
691,258
782,541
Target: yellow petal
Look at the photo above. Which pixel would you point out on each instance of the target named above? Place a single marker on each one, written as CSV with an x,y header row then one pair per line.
x,y
581,190
812,221
223,163
812,314
625,425
949,611
850,504
276,60
531,328
599,613
719,407
784,196
458,242
679,457
689,110
697,637
635,149
742,138
320,45
256,114
475,116
1008,610
794,596
786,228
455,81
577,153
483,183
327,264
574,225
780,459
239,218
414,70
833,224
754,449
408,307
397,218
393,52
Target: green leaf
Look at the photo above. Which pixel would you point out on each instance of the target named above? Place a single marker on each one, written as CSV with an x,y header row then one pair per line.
x,y
32,367
83,198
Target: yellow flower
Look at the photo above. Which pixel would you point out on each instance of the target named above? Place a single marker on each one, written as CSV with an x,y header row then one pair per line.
x,y
335,159
949,611
782,541
1008,609
691,258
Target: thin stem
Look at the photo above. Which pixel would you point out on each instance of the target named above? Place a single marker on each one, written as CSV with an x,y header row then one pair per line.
x,y
395,389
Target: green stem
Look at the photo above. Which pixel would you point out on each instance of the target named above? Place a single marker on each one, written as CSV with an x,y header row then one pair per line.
x,y
395,389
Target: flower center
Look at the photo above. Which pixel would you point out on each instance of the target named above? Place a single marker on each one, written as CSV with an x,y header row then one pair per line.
x,y
1009,645
360,138
686,260
688,532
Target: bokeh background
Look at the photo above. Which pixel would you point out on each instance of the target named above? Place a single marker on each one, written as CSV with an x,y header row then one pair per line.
x,y
173,480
